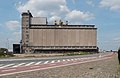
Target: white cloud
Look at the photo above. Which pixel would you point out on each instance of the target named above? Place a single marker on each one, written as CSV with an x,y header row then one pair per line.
x,y
111,4
12,25
54,18
54,10
78,16
90,2
44,7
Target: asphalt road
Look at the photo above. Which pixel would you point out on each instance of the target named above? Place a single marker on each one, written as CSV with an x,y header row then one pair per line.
x,y
6,63
12,66
101,67
21,60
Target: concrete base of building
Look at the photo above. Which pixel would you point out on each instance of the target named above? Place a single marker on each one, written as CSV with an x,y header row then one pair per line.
x,y
65,51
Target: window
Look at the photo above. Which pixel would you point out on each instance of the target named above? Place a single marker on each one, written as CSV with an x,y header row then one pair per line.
x,y
73,46
27,20
26,31
94,46
26,44
69,46
86,46
81,46
90,46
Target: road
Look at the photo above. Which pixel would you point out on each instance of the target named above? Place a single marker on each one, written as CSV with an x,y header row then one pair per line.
x,y
12,66
27,60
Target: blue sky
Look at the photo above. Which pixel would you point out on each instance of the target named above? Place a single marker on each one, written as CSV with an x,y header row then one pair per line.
x,y
105,14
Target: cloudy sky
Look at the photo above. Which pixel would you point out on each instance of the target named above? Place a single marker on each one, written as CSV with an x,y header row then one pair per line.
x,y
105,14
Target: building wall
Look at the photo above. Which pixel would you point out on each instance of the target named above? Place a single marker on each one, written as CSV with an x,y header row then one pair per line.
x,y
25,31
39,20
62,37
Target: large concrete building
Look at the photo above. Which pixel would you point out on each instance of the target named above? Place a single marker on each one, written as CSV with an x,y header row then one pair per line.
x,y
38,36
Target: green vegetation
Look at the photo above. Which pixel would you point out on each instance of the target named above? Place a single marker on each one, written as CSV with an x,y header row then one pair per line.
x,y
78,53
4,53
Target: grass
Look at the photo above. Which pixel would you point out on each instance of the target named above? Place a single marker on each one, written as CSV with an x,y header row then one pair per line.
x,y
5,55
77,53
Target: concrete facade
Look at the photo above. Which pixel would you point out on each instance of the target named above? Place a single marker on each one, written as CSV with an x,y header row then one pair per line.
x,y
37,35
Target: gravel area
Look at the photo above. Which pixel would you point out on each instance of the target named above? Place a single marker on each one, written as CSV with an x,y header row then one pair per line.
x,y
99,69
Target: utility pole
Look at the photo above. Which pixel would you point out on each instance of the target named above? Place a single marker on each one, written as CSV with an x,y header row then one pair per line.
x,y
7,43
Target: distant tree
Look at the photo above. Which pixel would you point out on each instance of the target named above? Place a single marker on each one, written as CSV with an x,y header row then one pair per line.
x,y
3,50
4,53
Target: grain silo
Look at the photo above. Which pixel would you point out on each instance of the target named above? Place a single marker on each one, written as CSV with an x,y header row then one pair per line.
x,y
38,36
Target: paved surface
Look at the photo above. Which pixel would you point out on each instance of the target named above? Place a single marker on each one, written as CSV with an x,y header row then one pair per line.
x,y
9,63
107,68
37,62
47,65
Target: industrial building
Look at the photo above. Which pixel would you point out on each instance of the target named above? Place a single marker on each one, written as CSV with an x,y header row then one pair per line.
x,y
38,36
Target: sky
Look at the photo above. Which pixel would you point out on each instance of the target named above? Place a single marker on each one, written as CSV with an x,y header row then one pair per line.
x,y
104,14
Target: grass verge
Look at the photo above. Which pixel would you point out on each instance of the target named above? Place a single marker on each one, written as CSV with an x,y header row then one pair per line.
x,y
6,55
77,53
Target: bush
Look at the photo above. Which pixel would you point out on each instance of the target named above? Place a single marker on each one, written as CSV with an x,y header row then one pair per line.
x,y
3,50
4,53
78,53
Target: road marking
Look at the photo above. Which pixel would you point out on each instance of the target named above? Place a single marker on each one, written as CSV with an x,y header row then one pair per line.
x,y
75,59
18,65
84,58
53,67
46,62
100,56
38,63
68,59
58,61
29,63
72,59
80,59
6,66
64,60
53,61
8,70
